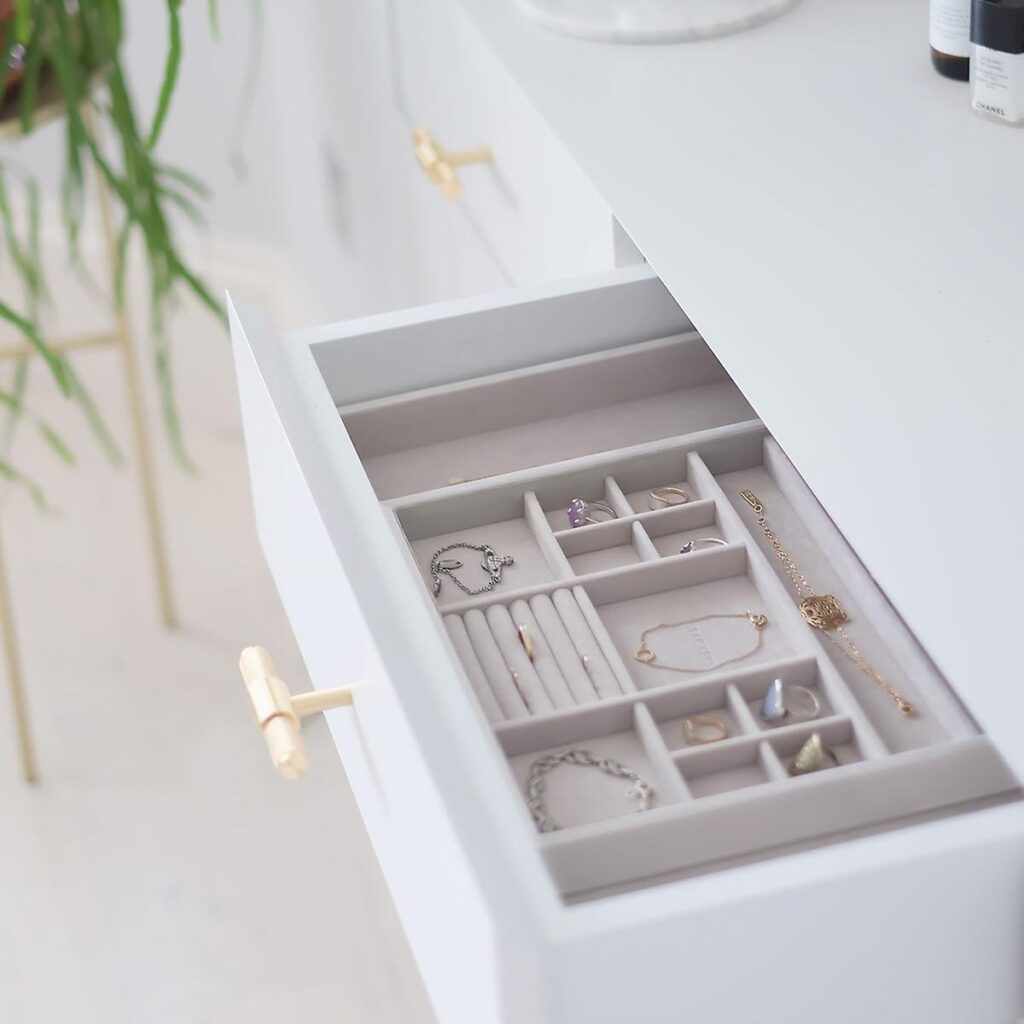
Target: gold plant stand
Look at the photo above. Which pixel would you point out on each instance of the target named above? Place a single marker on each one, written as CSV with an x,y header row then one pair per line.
x,y
49,108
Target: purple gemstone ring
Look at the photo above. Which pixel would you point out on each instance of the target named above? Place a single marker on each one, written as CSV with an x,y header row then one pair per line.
x,y
583,513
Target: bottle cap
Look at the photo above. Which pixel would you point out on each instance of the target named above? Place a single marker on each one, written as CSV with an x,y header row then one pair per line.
x,y
998,25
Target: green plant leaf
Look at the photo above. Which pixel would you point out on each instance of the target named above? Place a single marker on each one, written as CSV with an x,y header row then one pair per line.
x,y
190,182
22,20
19,381
121,264
93,417
20,479
35,247
80,45
14,401
28,270
170,72
185,203
214,19
28,98
28,329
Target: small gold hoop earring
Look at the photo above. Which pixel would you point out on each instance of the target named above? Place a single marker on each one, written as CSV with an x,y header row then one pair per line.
x,y
700,729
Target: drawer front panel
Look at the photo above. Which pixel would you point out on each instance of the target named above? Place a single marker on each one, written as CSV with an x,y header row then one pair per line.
x,y
536,211
428,878
933,936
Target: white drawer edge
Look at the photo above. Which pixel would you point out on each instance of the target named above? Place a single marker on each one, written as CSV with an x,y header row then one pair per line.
x,y
500,844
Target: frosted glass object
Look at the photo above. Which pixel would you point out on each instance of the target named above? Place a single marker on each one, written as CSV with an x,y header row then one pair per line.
x,y
650,21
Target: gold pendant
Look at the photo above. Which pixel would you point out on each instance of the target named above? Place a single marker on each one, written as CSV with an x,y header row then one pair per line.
x,y
823,611
813,756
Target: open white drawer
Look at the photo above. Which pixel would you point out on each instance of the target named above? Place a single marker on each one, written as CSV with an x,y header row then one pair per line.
x,y
885,886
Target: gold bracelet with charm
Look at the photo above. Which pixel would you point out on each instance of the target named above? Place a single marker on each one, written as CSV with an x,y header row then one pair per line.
x,y
823,611
646,656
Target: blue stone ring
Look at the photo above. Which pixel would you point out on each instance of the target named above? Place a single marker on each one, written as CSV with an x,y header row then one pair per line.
x,y
795,703
583,513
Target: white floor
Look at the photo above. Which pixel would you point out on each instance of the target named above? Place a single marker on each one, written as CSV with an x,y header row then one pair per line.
x,y
160,871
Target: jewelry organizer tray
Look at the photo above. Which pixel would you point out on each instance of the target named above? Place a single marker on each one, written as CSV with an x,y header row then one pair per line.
x,y
495,462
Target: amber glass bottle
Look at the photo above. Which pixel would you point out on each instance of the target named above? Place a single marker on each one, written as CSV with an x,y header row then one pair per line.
x,y
949,33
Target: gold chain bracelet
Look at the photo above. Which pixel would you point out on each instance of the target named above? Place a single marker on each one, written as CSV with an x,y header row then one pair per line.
x,y
647,657
823,611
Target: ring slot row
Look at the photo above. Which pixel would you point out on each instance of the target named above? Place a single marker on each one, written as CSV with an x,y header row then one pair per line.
x,y
532,658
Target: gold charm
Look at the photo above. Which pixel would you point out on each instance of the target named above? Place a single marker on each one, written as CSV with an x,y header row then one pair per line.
x,y
822,611
645,654
812,757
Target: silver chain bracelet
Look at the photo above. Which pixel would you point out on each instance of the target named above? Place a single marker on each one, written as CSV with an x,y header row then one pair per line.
x,y
536,782
493,564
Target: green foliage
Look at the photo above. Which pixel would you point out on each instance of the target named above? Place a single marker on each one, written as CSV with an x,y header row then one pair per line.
x,y
73,56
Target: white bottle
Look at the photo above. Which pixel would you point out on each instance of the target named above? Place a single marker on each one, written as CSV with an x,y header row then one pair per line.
x,y
997,61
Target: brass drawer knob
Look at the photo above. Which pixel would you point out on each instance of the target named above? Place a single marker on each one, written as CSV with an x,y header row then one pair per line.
x,y
279,714
441,166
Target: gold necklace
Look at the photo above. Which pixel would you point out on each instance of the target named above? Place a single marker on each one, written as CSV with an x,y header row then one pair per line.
x,y
823,611
647,657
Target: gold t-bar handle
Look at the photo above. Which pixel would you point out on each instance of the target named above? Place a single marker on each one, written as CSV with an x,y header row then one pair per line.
x,y
278,713
440,166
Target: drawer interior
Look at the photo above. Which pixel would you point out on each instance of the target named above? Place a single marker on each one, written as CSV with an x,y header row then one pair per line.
x,y
564,409
630,659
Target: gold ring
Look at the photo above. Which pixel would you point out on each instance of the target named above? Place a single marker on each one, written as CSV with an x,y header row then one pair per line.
x,y
525,639
665,497
704,729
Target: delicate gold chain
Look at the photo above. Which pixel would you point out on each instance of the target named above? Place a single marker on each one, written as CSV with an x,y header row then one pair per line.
x,y
647,657
823,611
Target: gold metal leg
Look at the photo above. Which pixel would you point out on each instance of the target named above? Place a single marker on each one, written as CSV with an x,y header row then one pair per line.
x,y
137,409
26,749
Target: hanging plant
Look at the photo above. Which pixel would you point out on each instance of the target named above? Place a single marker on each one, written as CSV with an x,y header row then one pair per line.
x,y
67,56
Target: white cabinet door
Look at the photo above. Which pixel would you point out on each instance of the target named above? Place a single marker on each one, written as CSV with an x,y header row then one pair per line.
x,y
366,231
533,206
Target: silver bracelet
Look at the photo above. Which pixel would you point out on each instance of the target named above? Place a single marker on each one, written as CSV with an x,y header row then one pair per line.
x,y
493,564
536,782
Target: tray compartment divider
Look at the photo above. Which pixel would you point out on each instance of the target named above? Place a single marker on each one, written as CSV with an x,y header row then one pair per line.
x,y
740,710
776,770
645,548
668,783
545,537
616,498
604,641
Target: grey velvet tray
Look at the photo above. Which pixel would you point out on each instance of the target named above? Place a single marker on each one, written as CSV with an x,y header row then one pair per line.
x,y
612,426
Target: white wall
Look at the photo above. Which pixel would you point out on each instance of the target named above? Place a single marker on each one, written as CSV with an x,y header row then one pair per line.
x,y
204,124
219,81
